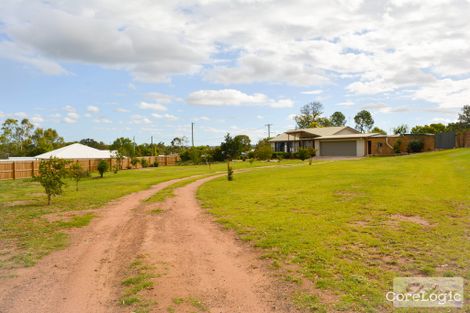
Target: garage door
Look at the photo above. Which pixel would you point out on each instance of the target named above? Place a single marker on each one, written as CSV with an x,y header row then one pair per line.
x,y
338,148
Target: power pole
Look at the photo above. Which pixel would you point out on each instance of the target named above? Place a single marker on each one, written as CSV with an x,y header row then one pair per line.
x,y
192,134
269,129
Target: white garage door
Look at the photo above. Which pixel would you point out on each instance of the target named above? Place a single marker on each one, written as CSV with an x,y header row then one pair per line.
x,y
338,148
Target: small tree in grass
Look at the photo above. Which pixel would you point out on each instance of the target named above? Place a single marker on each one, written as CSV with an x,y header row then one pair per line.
x,y
229,171
77,173
51,175
102,167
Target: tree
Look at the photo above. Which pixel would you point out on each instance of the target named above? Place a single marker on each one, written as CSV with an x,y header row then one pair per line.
x,y
429,129
263,150
77,173
125,146
464,117
364,121
102,167
400,129
94,144
243,142
230,148
338,119
44,140
51,175
322,122
16,137
309,114
378,130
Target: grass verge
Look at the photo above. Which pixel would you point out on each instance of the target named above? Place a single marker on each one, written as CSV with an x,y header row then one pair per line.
x,y
350,227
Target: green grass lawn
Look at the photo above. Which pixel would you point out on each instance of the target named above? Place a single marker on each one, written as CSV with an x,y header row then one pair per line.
x,y
29,229
350,227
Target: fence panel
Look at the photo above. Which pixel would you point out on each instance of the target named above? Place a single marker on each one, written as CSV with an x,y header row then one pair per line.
x,y
28,169
445,140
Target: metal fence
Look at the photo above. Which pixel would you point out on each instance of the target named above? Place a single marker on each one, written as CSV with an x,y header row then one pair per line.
x,y
445,140
28,169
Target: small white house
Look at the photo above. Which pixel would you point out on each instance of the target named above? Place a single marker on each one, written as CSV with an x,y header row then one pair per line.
x,y
77,151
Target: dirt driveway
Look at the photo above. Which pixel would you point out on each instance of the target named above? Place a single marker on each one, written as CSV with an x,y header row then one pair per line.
x,y
194,259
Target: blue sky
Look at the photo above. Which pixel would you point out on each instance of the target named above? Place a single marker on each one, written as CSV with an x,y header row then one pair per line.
x,y
103,69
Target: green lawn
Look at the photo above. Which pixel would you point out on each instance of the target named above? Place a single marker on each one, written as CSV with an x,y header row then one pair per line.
x,y
29,229
350,227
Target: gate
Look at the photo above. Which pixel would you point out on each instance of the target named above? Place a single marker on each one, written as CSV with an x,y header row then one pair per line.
x,y
445,140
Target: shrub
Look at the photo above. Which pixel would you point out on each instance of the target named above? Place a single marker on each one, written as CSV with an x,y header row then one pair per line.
x,y
102,167
251,160
229,171
51,175
397,146
144,163
155,164
263,150
77,173
303,154
415,146
135,161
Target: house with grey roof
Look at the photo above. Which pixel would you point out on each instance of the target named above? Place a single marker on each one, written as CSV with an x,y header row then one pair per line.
x,y
327,141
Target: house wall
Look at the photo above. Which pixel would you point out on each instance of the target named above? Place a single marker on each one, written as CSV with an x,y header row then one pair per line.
x,y
380,147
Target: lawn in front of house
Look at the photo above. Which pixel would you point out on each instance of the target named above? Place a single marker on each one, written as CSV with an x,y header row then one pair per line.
x,y
30,229
350,227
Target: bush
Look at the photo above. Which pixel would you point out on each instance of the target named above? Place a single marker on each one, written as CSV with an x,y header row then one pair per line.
x,y
397,146
415,146
135,161
51,175
77,173
280,155
102,167
155,164
144,163
263,150
229,171
303,154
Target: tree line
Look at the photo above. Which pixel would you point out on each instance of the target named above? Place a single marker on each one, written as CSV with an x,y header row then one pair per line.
x,y
311,116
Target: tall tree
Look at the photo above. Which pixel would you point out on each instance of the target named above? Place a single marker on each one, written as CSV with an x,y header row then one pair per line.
x,y
429,129
230,148
400,129
364,121
338,119
125,146
378,131
94,144
309,114
243,142
464,117
44,140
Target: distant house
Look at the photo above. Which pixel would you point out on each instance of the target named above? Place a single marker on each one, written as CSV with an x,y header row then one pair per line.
x,y
346,141
77,151
327,141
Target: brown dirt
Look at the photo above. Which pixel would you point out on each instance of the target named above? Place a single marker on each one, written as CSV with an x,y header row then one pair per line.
x,y
412,219
195,258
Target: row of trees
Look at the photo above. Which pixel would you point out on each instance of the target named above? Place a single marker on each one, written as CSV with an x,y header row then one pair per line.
x,y
311,116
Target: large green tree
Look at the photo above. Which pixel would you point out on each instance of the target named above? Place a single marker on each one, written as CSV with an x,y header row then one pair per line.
x,y
309,115
429,129
338,119
464,117
364,121
400,129
243,142
125,146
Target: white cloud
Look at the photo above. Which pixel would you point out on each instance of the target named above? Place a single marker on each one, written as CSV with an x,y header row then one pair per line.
x,y
201,118
312,92
233,97
447,93
102,120
166,116
160,97
37,119
121,110
346,103
384,108
93,109
139,119
72,116
152,106
260,117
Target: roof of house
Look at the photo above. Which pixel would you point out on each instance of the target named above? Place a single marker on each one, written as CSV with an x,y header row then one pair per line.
x,y
315,132
77,151
346,136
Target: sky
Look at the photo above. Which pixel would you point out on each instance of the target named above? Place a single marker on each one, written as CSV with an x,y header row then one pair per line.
x,y
104,69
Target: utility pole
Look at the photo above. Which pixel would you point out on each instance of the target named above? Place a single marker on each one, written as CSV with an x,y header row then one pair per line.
x,y
269,129
192,134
